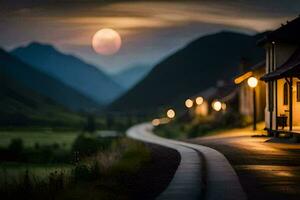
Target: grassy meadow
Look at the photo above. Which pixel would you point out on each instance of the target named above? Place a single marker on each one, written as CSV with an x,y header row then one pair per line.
x,y
12,171
42,137
36,164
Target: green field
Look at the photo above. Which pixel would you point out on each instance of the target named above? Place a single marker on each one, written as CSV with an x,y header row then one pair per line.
x,y
43,137
11,172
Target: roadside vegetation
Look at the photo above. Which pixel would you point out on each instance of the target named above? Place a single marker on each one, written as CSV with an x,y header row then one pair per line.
x,y
51,163
92,164
191,127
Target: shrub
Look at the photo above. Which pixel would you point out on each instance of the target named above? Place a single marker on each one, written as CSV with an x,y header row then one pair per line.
x,y
82,173
90,125
16,146
88,145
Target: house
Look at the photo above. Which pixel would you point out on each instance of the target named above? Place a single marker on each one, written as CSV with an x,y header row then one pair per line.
x,y
223,93
282,113
245,93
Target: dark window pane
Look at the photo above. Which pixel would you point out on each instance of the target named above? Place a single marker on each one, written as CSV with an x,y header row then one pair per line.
x,y
285,94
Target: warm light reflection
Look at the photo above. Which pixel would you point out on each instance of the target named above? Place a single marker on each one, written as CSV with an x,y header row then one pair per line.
x,y
224,106
252,82
164,120
189,103
171,113
202,110
217,105
199,100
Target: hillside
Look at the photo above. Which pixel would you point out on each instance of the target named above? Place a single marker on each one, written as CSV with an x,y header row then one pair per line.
x,y
190,70
129,77
83,77
43,84
20,106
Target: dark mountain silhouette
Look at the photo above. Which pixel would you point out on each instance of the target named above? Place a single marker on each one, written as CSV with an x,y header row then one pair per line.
x,y
20,106
190,70
44,84
83,77
129,77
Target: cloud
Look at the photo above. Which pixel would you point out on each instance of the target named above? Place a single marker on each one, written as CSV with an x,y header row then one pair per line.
x,y
149,29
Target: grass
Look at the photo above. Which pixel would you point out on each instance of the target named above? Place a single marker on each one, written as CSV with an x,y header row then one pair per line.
x,y
116,167
201,127
102,175
42,137
14,171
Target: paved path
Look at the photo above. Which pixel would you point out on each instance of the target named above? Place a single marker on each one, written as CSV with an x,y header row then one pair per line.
x,y
203,173
267,170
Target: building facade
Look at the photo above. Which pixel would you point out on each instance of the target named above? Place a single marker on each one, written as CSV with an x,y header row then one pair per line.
x,y
282,112
245,93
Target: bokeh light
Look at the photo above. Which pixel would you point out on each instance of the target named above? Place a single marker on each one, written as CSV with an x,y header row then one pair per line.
x,y
189,103
171,113
199,100
217,105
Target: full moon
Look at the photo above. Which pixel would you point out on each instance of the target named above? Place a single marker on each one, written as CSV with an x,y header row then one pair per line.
x,y
106,41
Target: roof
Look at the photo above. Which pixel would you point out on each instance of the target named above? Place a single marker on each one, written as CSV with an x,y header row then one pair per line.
x,y
224,92
291,68
260,65
286,33
239,79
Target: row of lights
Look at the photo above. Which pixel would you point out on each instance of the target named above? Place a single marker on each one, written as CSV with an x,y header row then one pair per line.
x,y
170,115
216,105
189,103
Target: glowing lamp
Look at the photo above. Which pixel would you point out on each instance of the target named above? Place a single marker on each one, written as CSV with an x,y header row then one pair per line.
x,y
217,105
155,122
171,113
189,103
199,100
252,82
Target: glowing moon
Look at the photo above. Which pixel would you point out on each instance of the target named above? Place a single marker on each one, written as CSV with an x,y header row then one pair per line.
x,y
106,41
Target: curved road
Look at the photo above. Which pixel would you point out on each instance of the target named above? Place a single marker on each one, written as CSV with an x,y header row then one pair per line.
x,y
203,173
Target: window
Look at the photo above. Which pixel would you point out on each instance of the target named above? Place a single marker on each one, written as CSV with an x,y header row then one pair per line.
x,y
298,91
285,94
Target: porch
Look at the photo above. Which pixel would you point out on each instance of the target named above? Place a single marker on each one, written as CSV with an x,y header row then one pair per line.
x,y
283,109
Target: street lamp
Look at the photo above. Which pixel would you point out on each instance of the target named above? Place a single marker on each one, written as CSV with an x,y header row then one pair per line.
x,y
171,113
217,106
155,122
252,82
189,103
199,100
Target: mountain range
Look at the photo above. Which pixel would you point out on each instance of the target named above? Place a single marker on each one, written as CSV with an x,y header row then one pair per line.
x,y
21,106
195,67
73,72
44,84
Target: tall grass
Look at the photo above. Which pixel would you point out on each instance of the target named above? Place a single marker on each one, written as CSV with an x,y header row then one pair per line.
x,y
99,173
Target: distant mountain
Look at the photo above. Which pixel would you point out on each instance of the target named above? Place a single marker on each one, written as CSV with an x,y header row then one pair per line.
x,y
83,77
20,106
129,77
30,77
190,70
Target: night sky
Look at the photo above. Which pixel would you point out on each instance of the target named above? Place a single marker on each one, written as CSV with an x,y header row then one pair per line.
x,y
150,30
